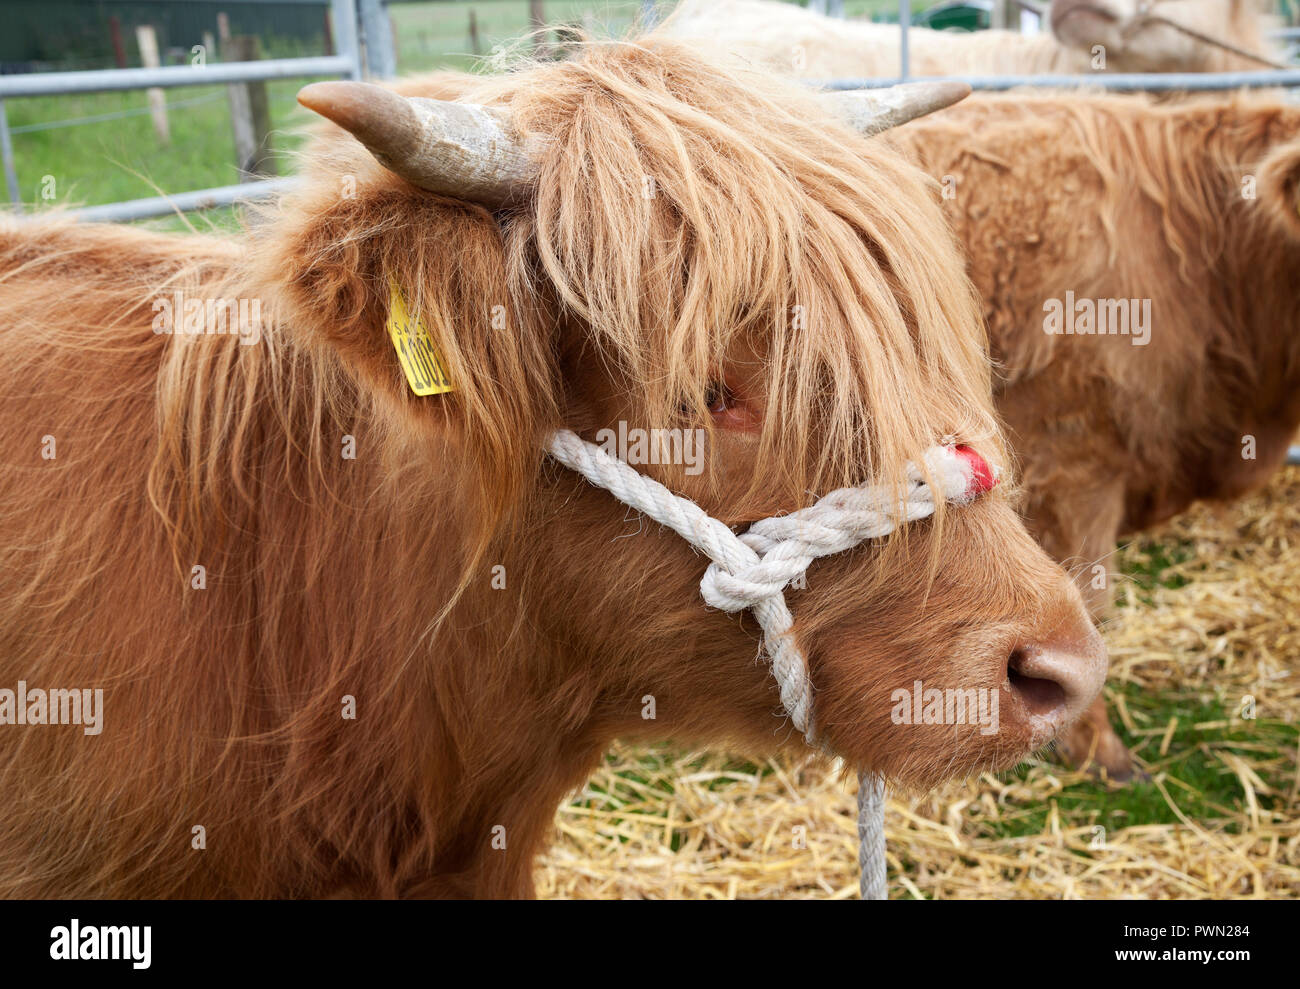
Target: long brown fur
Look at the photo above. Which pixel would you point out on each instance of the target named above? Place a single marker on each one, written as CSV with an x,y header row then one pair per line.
x,y
1192,206
376,578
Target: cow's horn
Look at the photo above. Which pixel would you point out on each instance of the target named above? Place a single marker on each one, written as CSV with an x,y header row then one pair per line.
x,y
457,149
870,111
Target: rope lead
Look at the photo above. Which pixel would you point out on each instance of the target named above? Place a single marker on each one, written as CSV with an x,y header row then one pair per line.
x,y
752,570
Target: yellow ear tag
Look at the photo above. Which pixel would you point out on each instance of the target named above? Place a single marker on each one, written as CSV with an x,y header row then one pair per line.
x,y
415,348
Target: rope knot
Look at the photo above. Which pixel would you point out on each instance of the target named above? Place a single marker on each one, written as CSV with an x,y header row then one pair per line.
x,y
753,569
785,545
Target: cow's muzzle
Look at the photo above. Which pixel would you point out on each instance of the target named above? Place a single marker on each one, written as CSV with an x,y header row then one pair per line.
x,y
1057,675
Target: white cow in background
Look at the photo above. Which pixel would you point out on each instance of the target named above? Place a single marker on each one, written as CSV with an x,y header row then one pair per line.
x,y
789,38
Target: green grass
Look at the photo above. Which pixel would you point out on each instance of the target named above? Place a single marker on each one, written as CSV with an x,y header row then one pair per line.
x,y
1146,565
119,159
436,35
1197,780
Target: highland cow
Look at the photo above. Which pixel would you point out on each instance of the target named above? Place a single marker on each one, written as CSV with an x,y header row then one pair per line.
x,y
1184,212
355,641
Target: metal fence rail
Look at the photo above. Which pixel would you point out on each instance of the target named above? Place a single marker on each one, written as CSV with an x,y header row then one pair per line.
x,y
1154,82
170,76
100,118
142,209
346,63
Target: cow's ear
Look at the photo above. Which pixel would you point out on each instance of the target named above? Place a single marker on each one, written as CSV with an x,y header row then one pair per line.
x,y
340,259
1279,186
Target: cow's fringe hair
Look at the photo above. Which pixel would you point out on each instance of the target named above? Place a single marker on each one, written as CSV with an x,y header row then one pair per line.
x,y
638,236
825,259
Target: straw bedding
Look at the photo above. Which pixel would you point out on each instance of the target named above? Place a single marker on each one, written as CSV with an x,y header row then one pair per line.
x,y
1204,686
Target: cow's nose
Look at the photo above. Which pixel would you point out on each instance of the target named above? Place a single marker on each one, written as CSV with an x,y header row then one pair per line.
x,y
1057,675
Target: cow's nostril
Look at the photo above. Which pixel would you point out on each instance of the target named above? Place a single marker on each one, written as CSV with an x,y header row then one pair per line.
x,y
1056,675
1042,696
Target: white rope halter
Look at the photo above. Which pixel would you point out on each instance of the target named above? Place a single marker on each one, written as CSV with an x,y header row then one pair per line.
x,y
751,570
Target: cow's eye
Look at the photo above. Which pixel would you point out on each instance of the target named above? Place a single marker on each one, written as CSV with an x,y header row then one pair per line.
x,y
718,398
728,408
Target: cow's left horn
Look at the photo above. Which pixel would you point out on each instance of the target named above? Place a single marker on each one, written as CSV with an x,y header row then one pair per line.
x,y
870,111
457,149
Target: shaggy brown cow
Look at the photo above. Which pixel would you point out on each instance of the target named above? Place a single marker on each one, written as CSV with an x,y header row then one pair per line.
x,y
1176,227
412,634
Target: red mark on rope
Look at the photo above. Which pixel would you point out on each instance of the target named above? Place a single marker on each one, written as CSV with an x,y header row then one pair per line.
x,y
982,477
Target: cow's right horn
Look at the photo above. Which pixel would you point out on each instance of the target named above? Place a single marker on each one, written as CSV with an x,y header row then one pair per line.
x,y
461,150
870,111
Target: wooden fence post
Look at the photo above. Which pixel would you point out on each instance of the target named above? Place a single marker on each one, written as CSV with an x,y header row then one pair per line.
x,y
537,17
475,45
250,113
147,39
115,36
379,50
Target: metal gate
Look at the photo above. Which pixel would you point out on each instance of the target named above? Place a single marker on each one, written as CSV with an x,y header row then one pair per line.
x,y
364,45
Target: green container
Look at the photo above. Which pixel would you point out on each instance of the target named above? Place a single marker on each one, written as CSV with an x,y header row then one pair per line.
x,y
960,15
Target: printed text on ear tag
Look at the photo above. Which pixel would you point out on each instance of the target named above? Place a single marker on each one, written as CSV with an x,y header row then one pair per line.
x,y
415,348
